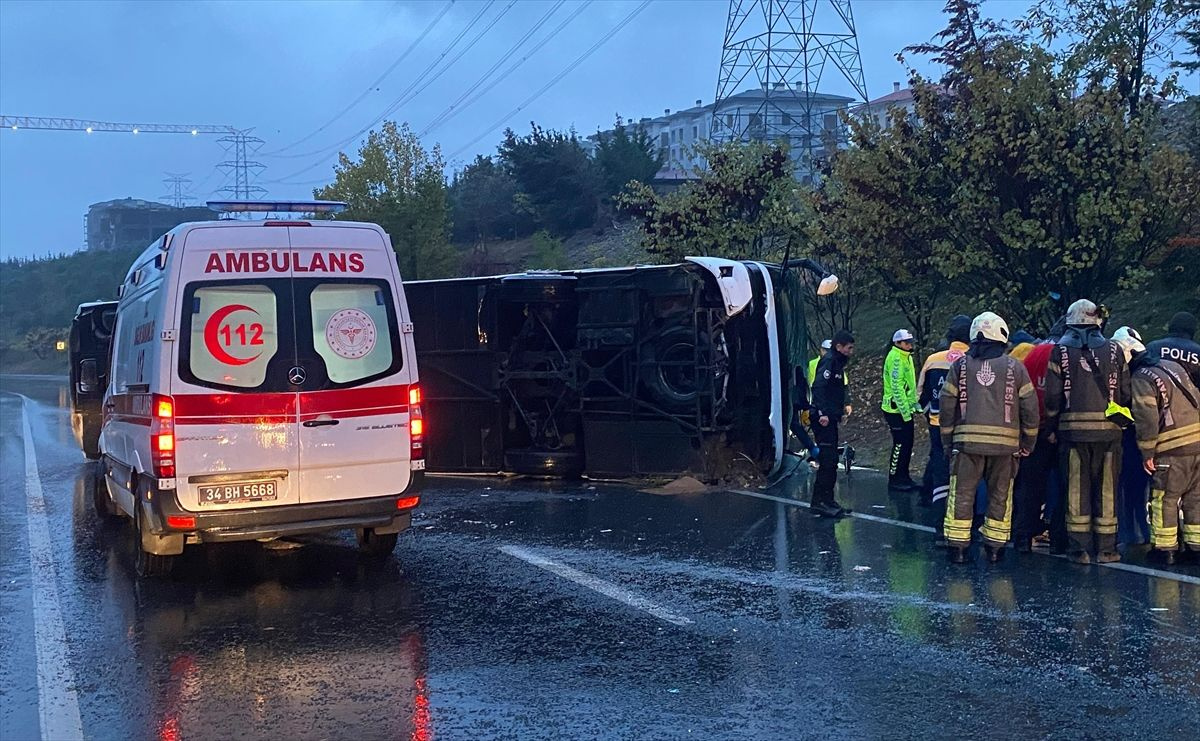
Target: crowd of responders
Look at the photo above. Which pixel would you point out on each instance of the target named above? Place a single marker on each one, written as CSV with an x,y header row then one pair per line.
x,y
1081,442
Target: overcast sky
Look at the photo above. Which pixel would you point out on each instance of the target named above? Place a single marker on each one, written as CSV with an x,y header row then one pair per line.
x,y
287,69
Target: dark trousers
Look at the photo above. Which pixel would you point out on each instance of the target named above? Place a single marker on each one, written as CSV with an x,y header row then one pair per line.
x,y
966,471
1133,522
1033,485
936,481
902,446
827,462
1090,472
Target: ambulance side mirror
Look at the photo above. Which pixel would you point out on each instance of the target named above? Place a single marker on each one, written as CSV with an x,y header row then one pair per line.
x,y
89,375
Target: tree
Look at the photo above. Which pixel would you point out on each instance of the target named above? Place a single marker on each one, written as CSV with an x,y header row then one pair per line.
x,y
881,210
399,185
626,155
746,204
484,204
1056,191
1189,34
556,177
1114,42
548,253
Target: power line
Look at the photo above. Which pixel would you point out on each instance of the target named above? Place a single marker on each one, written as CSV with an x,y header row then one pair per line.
x,y
449,111
373,86
324,151
514,67
557,78
410,94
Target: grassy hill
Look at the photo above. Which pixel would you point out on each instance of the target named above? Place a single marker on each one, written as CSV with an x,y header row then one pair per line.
x,y
38,299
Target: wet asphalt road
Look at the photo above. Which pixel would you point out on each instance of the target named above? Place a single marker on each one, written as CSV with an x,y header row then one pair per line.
x,y
519,609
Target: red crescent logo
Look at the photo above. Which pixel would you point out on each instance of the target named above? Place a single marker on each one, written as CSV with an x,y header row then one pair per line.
x,y
213,343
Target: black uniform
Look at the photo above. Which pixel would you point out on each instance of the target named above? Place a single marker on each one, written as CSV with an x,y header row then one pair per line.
x,y
1178,348
829,400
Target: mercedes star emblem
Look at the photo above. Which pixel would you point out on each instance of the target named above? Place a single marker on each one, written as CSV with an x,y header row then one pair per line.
x,y
296,376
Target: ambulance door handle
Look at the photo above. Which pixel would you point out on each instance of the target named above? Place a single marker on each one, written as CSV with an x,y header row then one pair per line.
x,y
320,422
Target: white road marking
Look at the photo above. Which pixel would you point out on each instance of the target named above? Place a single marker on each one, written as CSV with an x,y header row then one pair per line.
x,y
608,589
58,701
1133,568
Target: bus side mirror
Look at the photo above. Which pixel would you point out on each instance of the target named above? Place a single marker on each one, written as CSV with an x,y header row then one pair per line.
x,y
828,285
89,375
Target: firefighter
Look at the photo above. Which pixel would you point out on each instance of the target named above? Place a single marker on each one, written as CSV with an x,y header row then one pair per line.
x,y
1179,345
899,404
1087,406
935,484
828,407
989,419
1166,411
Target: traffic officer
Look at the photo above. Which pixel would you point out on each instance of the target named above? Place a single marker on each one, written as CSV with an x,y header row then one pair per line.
x,y
812,364
935,484
1179,345
989,418
899,404
1087,406
828,406
1166,411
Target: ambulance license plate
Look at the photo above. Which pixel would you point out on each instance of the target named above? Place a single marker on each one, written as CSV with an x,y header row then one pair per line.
x,y
252,491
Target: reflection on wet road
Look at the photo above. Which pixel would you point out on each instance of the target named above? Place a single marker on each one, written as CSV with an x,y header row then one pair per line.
x,y
548,610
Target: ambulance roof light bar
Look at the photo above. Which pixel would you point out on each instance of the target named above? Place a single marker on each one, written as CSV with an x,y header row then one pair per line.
x,y
307,207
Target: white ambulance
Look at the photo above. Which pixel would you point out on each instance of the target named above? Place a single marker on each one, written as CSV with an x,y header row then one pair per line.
x,y
263,383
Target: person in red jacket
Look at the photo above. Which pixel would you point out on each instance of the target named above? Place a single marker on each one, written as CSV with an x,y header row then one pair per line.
x,y
1037,476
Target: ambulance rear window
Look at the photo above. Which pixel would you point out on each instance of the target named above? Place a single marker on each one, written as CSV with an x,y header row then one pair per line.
x,y
233,335
351,329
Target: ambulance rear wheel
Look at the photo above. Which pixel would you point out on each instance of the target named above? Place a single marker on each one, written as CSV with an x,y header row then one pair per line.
x,y
149,565
376,545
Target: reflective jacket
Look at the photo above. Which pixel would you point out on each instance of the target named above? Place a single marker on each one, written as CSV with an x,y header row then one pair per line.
x,y
988,406
933,375
1078,394
1168,423
899,384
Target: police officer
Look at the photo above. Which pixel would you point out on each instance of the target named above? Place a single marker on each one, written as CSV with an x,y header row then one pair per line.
x,y
989,419
899,405
1087,406
1179,345
1166,410
828,406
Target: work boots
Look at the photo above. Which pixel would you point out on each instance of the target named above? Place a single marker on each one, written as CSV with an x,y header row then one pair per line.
x,y
995,554
957,554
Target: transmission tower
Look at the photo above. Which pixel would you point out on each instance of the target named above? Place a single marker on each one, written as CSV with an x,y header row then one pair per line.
x,y
177,186
773,64
239,169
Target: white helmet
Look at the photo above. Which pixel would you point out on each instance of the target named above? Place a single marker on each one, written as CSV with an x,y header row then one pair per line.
x,y
901,335
1084,312
991,326
1128,340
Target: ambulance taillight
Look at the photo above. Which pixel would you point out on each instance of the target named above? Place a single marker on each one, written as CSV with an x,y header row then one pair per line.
x,y
416,424
162,436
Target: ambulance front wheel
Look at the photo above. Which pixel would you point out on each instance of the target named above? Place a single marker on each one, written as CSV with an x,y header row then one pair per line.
x,y
377,545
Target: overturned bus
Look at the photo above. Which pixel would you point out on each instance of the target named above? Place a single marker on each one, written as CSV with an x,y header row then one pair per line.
x,y
610,373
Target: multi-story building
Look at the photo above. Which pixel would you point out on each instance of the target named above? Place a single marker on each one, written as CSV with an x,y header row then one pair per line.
x,y
761,114
129,223
879,108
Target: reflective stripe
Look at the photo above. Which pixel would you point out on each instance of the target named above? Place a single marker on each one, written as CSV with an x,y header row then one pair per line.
x,y
1108,496
1026,390
1080,416
999,530
1191,534
1073,486
1193,429
1105,425
1160,535
956,530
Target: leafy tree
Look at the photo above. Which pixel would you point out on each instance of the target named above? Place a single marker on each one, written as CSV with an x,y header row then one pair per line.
x,y
882,210
746,204
484,204
1189,34
1054,191
41,341
1116,43
399,185
625,155
557,178
548,253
